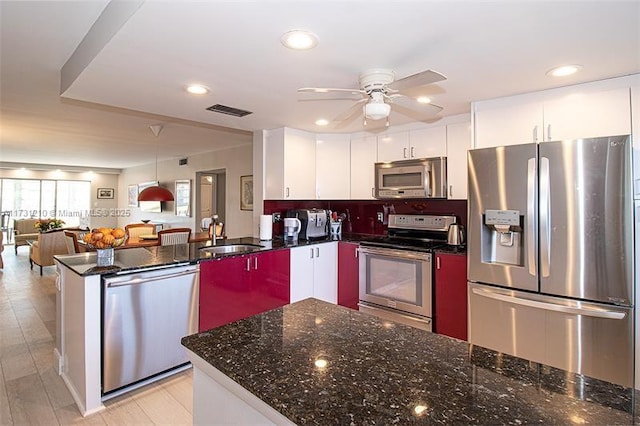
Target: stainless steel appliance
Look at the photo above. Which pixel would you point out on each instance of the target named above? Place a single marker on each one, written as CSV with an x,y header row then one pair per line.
x,y
145,315
315,222
551,254
396,271
455,235
418,178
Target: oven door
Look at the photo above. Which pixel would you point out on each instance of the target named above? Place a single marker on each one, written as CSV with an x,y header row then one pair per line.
x,y
396,279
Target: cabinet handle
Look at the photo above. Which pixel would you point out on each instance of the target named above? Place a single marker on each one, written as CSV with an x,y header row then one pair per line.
x,y
412,152
317,252
535,133
450,190
248,264
287,192
373,193
355,252
312,252
437,262
255,263
404,152
548,132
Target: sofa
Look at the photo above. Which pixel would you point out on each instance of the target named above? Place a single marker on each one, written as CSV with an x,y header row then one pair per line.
x,y
47,245
24,230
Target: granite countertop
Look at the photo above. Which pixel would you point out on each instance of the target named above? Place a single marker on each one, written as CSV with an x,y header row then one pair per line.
x,y
130,259
380,372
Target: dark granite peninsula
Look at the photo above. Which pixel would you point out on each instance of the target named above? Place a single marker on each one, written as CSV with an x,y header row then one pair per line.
x,y
315,363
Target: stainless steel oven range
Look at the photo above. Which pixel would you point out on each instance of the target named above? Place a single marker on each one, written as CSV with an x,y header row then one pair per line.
x,y
396,271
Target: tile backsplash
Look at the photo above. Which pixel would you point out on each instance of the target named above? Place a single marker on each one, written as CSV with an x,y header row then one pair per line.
x,y
362,214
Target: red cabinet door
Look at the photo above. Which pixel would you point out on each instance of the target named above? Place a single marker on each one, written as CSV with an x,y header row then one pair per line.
x,y
270,280
348,275
225,291
451,295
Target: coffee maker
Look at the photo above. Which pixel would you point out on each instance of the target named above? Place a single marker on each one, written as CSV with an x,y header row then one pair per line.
x,y
315,222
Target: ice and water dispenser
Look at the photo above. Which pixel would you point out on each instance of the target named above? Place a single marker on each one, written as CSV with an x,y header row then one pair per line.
x,y
502,237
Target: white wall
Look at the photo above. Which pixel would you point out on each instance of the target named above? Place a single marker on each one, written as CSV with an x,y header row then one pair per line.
x,y
236,161
102,211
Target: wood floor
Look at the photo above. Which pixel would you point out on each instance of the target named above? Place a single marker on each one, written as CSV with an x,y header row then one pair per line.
x,y
32,393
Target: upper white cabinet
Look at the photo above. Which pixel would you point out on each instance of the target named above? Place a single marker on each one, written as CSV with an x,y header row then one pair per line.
x,y
332,167
290,165
393,146
421,143
363,158
458,144
567,113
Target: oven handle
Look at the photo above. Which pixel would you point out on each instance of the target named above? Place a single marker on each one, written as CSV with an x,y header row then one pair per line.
x,y
395,313
403,254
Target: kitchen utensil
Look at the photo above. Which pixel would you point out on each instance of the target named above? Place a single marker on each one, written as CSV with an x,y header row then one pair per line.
x,y
455,235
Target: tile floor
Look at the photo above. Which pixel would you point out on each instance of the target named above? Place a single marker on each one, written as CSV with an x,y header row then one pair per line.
x,y
32,393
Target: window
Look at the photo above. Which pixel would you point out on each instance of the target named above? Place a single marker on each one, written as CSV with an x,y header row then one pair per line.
x,y
63,199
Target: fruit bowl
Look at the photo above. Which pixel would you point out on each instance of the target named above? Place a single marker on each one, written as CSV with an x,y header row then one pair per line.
x,y
104,238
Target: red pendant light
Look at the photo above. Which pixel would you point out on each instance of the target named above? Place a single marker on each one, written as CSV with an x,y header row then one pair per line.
x,y
155,193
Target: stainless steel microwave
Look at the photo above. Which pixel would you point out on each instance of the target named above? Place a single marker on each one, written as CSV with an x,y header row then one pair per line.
x,y
418,178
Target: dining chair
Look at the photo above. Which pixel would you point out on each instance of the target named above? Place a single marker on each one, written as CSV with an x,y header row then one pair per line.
x,y
134,230
170,237
71,240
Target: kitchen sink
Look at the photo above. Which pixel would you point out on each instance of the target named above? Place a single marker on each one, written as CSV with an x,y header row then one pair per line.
x,y
232,248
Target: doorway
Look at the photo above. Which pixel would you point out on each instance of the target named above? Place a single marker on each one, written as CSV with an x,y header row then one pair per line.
x,y
210,195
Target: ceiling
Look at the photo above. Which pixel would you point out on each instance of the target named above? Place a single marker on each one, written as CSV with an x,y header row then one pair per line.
x,y
131,70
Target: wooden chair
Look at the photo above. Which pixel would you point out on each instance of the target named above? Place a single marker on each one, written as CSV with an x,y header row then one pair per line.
x,y
134,230
219,230
71,240
170,237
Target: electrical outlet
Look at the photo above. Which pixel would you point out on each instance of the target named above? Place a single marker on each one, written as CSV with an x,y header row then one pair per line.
x,y
277,217
380,217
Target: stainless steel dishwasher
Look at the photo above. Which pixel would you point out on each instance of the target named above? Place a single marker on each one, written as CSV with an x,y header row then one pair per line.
x,y
145,314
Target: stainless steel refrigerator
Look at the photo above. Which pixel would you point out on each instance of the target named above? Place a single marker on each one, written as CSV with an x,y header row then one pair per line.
x,y
551,261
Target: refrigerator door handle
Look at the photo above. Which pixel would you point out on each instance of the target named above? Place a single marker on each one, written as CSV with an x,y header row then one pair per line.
x,y
531,214
545,213
591,312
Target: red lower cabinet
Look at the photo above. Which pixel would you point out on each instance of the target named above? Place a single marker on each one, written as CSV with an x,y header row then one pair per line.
x,y
348,275
238,287
450,292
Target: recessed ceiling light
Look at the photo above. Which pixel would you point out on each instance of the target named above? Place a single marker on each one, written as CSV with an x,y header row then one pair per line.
x,y
564,70
424,100
322,122
197,89
299,39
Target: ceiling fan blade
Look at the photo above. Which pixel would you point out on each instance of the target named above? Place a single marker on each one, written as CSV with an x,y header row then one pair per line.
x,y
415,106
329,89
347,116
415,80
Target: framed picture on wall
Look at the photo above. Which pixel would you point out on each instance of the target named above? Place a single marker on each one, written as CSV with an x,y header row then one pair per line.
x,y
246,192
106,193
132,192
183,197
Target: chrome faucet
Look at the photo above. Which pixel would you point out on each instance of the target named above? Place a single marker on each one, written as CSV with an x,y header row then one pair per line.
x,y
214,224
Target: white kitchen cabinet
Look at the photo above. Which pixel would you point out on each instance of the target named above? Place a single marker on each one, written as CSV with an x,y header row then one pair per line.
x,y
428,142
393,146
566,113
587,115
364,154
458,144
314,272
333,167
290,165
421,143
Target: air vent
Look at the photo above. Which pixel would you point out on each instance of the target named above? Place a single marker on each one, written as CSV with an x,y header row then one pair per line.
x,y
223,109
182,162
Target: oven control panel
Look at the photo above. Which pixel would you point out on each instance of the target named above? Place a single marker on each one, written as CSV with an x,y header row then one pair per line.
x,y
421,221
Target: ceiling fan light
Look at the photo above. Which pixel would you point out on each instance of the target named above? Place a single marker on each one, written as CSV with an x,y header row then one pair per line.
x,y
377,110
155,193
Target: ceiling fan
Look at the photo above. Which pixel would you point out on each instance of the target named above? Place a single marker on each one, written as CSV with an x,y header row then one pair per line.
x,y
380,91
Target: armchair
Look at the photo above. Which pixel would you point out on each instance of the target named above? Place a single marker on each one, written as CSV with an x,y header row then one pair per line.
x,y
169,237
134,230
24,230
47,245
